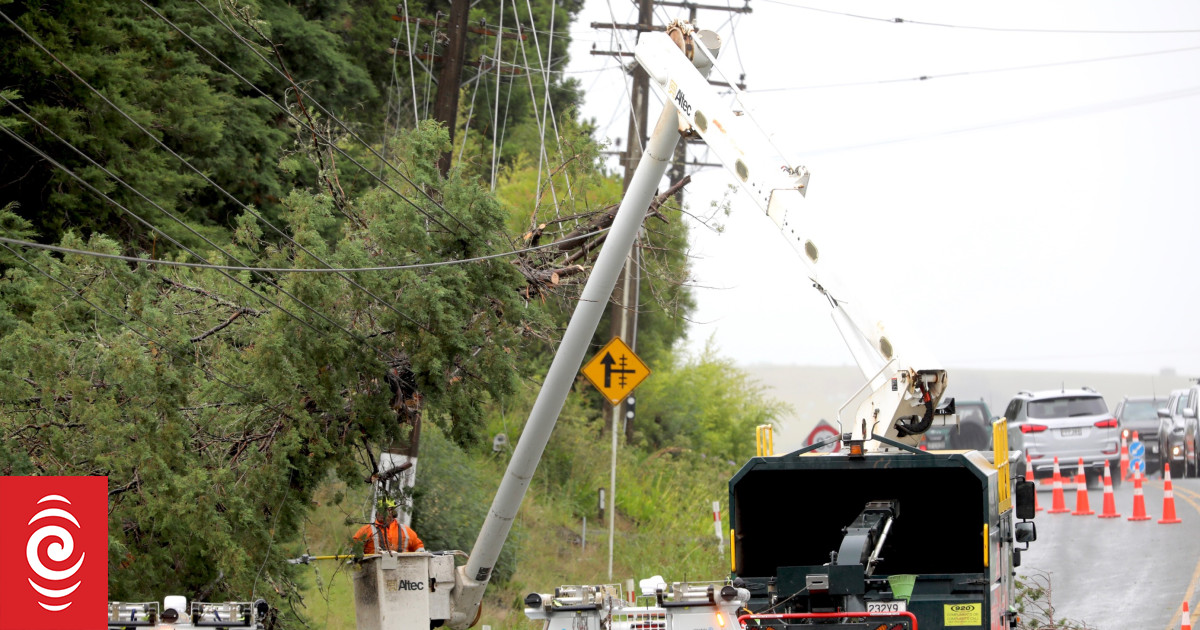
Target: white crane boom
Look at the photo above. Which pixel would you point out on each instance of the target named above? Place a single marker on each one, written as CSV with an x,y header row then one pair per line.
x,y
905,383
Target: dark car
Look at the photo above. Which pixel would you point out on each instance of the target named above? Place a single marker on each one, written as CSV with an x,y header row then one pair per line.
x,y
1172,428
1140,413
972,433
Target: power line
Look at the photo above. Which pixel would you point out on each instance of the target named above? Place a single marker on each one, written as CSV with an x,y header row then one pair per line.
x,y
211,182
927,77
341,124
110,200
540,120
174,263
1064,113
176,155
900,20
261,296
328,141
207,371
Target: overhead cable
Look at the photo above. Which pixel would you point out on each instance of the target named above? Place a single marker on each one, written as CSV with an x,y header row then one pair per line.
x,y
496,115
927,77
900,20
208,371
328,141
256,215
139,219
1082,110
341,124
174,263
206,178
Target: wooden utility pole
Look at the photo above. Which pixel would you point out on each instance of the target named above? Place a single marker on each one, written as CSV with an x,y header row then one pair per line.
x,y
623,316
449,81
445,106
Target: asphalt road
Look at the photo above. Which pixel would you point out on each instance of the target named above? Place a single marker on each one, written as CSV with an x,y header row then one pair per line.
x,y
1117,574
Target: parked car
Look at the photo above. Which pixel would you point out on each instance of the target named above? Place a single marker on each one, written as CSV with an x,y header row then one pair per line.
x,y
1191,433
1070,424
1140,414
973,432
1172,426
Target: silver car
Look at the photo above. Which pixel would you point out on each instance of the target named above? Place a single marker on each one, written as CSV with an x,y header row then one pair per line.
x,y
1070,424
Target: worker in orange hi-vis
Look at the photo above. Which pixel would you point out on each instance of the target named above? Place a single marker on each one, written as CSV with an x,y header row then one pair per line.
x,y
389,531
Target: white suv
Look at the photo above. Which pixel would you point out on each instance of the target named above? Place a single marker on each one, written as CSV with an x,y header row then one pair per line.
x,y
1069,424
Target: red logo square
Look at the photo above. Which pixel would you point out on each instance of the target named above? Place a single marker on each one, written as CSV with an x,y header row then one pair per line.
x,y
54,553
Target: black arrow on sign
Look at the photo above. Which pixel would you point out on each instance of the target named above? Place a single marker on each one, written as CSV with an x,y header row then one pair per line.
x,y
609,370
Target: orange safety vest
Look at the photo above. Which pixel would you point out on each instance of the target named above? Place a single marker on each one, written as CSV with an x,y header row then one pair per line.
x,y
399,537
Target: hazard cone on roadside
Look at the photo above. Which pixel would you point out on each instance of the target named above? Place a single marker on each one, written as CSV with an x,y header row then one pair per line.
x,y
1029,471
1139,501
1059,504
1124,463
1081,498
1168,498
1186,622
1110,501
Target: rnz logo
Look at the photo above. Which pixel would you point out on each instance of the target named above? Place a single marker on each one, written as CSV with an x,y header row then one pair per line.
x,y
54,550
60,551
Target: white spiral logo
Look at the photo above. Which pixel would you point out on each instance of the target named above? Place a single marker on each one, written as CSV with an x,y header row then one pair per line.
x,y
58,551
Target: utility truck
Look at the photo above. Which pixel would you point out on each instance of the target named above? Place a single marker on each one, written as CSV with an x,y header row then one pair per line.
x,y
877,534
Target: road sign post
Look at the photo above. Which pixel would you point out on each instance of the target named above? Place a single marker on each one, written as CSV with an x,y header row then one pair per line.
x,y
615,371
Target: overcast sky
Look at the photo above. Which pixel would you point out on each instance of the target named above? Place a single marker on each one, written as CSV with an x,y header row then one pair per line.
x,y
1019,211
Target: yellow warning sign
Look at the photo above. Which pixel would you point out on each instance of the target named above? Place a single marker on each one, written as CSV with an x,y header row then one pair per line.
x,y
1000,459
963,615
615,370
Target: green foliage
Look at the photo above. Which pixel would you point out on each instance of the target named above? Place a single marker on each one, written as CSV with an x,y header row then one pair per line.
x,y
9,122
722,407
215,413
218,403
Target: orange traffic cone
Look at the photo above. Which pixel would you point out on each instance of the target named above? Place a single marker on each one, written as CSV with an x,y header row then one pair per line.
x,y
1081,498
1139,500
1110,501
1168,498
1029,471
1059,505
1124,463
1186,622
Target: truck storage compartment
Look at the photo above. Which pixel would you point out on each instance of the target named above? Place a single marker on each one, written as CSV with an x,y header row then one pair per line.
x,y
792,513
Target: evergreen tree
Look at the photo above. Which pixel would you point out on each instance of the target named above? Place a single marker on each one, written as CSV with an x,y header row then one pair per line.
x,y
216,401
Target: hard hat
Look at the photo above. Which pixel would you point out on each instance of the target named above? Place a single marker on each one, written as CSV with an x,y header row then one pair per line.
x,y
386,503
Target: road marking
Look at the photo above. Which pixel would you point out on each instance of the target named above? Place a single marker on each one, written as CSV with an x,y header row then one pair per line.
x,y
1189,496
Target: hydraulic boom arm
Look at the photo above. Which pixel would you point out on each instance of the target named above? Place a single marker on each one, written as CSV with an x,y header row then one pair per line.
x,y
905,382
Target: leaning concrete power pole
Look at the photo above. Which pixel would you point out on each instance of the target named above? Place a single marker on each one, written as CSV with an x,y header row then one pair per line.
x,y
474,575
471,578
